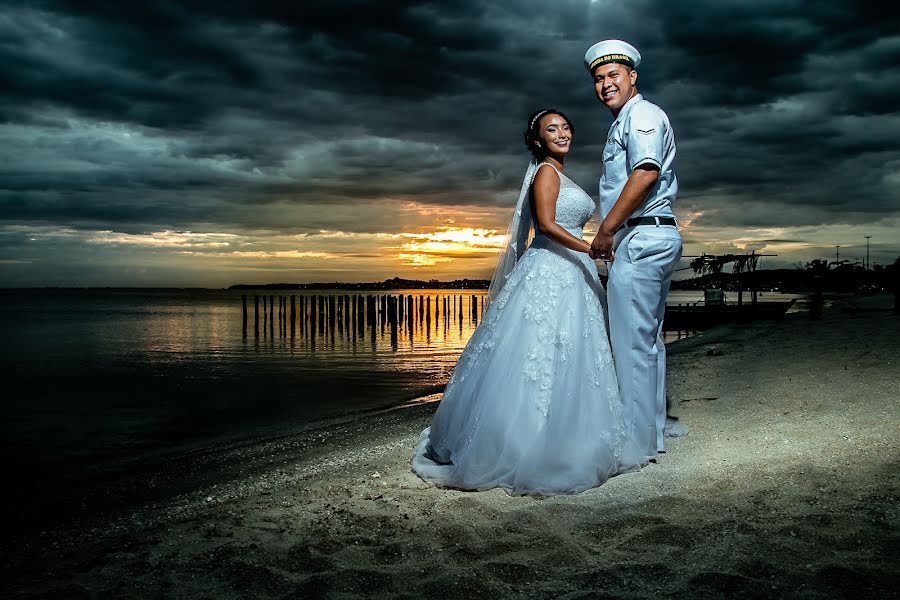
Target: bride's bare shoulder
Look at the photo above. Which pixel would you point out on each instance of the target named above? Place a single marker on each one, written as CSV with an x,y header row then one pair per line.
x,y
546,173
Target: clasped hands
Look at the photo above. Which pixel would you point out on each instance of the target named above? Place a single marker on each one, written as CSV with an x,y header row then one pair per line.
x,y
602,246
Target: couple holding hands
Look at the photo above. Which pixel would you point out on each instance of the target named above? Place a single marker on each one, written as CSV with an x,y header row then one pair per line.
x,y
562,386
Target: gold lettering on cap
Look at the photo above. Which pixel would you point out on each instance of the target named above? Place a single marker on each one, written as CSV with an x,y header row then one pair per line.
x,y
610,58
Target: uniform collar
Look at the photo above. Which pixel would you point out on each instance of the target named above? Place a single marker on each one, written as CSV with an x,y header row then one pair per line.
x,y
627,107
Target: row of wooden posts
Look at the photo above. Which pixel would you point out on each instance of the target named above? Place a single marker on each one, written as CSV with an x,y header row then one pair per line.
x,y
353,312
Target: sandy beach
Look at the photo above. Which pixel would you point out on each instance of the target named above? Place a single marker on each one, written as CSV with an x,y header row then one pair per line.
x,y
786,486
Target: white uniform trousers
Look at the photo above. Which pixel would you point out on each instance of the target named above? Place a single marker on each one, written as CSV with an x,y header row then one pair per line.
x,y
639,277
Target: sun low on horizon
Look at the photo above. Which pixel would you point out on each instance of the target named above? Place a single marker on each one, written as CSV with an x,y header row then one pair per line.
x,y
452,250
219,258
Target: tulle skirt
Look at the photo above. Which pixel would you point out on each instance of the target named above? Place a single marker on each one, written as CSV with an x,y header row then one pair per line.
x,y
533,404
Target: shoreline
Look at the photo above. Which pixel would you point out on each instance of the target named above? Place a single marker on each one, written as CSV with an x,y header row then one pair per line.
x,y
115,484
150,475
786,485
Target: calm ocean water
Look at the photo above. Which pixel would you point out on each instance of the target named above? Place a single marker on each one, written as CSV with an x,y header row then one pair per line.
x,y
100,377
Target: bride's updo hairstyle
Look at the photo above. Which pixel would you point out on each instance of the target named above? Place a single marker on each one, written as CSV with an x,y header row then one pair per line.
x,y
531,134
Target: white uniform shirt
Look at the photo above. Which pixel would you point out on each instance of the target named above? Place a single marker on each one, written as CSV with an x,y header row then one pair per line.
x,y
641,134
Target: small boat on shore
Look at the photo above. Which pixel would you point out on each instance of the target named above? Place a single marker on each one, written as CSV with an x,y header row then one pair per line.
x,y
699,316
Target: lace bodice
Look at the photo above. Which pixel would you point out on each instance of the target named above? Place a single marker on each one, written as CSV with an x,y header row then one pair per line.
x,y
574,207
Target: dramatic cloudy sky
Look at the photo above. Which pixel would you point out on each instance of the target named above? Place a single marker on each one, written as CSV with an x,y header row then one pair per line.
x,y
209,143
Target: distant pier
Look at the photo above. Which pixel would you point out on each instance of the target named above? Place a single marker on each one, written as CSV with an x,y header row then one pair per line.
x,y
354,315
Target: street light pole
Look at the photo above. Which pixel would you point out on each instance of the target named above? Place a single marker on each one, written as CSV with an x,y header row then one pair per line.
x,y
868,264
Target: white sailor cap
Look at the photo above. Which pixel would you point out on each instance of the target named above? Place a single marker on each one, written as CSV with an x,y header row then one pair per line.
x,y
609,51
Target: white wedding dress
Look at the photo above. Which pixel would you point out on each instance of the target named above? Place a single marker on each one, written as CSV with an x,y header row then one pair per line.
x,y
533,403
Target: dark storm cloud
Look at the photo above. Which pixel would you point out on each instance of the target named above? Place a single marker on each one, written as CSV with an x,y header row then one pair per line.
x,y
132,116
159,74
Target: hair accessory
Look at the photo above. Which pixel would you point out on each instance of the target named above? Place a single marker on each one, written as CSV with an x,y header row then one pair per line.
x,y
536,117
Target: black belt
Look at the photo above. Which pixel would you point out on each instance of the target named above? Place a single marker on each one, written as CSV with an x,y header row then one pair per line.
x,y
637,221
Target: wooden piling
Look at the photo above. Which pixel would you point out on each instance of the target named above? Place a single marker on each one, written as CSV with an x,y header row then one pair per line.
x,y
313,309
293,313
256,315
272,315
301,317
244,303
332,316
392,320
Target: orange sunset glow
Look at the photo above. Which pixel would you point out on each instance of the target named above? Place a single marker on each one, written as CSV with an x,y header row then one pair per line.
x,y
449,243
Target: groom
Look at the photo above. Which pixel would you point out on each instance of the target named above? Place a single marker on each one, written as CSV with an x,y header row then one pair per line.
x,y
637,189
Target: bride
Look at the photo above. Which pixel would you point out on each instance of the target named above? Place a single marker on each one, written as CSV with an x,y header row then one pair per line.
x,y
533,404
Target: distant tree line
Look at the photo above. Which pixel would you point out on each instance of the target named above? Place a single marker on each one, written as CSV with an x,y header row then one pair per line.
x,y
388,284
817,274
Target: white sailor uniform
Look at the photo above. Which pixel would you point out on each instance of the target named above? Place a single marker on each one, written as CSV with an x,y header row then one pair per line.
x,y
645,259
